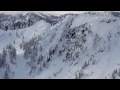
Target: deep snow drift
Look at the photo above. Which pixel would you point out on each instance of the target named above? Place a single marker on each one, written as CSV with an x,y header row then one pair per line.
x,y
78,46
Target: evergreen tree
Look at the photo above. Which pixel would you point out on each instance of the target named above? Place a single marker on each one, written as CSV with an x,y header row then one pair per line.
x,y
20,45
40,59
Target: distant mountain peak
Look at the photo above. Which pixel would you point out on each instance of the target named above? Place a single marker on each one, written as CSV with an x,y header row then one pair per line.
x,y
25,19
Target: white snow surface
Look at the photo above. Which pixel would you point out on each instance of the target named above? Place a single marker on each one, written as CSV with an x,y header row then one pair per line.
x,y
102,55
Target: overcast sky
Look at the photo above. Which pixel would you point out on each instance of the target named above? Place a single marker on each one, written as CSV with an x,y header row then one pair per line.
x,y
50,12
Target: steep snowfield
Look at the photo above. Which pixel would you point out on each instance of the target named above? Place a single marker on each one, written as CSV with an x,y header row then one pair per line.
x,y
79,46
39,28
20,69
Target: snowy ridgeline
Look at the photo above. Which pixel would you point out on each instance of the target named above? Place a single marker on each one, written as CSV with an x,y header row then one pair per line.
x,y
21,21
77,47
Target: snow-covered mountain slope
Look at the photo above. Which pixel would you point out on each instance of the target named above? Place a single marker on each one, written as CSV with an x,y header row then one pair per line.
x,y
79,46
24,20
14,38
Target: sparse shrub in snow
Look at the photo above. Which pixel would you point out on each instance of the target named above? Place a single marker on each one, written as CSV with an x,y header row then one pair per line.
x,y
119,72
27,51
40,59
81,47
17,35
114,74
108,20
69,55
44,64
83,37
118,33
6,76
3,57
40,69
61,51
39,37
52,50
24,45
115,71
96,41
71,34
109,40
85,65
7,72
21,45
12,53
33,69
2,61
109,37
23,39
4,53
9,46
60,40
52,37
77,44
34,51
48,59
94,62
77,54
79,74
33,65
37,64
